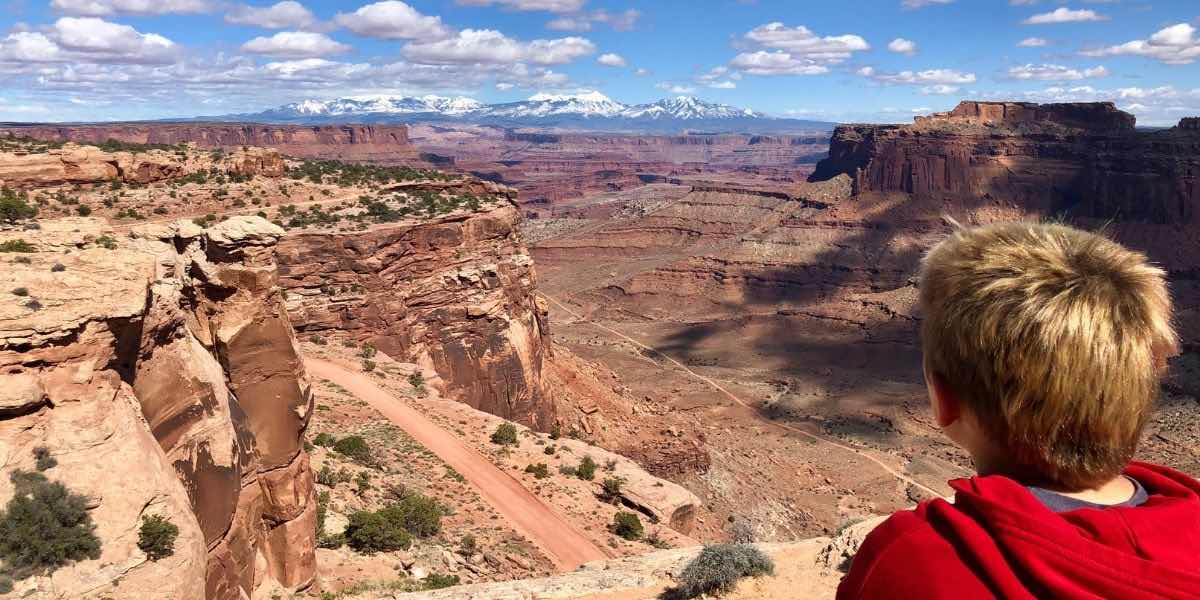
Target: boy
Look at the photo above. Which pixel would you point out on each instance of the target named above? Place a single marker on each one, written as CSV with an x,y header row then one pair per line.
x,y
1043,347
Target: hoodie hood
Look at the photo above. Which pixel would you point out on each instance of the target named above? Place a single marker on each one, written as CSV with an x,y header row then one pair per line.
x,y
1014,542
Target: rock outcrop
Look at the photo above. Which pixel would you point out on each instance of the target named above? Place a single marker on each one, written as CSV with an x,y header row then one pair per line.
x,y
75,164
163,375
360,142
454,294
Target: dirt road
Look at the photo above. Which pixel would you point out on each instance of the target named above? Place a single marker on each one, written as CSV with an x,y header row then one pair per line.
x,y
559,539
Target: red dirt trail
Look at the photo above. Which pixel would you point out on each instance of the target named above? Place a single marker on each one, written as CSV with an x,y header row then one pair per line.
x,y
565,544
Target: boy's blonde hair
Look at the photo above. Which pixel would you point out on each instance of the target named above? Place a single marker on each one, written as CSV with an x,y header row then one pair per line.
x,y
1053,338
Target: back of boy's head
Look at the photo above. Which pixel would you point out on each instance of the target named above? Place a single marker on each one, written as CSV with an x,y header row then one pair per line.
x,y
1053,338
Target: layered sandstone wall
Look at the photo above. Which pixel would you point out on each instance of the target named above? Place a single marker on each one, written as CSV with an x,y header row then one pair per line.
x,y
359,142
164,377
454,294
82,165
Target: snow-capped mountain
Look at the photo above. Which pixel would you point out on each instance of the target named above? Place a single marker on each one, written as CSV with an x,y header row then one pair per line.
x,y
591,111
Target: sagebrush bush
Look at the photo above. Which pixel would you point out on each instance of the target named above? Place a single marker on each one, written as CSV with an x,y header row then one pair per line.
x,y
370,532
539,471
44,526
324,439
418,514
157,537
586,469
437,581
718,569
505,435
627,525
44,460
610,489
354,447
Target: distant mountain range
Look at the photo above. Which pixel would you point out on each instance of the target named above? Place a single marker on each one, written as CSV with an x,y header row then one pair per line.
x,y
590,111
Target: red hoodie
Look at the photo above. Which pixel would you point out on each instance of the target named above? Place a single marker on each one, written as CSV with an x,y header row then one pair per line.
x,y
998,541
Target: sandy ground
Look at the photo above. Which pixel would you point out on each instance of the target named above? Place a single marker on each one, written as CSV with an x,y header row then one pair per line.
x,y
567,546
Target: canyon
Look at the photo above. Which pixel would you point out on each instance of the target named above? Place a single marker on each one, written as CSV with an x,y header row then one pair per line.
x,y
725,322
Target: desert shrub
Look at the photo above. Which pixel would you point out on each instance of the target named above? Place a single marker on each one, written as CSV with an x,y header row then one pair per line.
x,y
354,447
718,569
418,514
437,581
362,482
44,460
610,465
83,210
540,470
157,537
741,532
370,532
368,351
417,381
44,526
567,470
330,478
107,242
34,304
610,489
549,450
505,435
368,365
586,469
20,291
58,268
555,432
17,245
324,439
318,340
14,208
627,525
467,545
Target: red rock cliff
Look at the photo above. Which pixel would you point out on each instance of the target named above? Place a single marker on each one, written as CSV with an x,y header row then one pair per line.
x,y
164,377
453,293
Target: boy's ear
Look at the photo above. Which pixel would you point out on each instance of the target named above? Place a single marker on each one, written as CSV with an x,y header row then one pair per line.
x,y
947,407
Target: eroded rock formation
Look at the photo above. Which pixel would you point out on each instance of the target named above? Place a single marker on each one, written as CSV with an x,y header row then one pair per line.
x,y
164,377
453,293
360,142
75,164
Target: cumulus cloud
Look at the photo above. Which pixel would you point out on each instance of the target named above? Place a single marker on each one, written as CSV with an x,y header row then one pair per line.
x,y
911,4
281,15
1064,15
86,40
555,6
675,88
721,78
392,20
903,46
611,60
723,85
581,22
295,44
1032,72
795,50
926,78
940,90
488,46
106,8
1033,42
1174,45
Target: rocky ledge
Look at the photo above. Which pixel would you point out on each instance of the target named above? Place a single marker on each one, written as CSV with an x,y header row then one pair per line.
x,y
159,370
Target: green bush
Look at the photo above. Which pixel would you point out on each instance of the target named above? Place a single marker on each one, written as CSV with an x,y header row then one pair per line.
x,y
370,532
58,268
14,208
107,241
467,545
610,489
436,581
324,439
586,469
417,380
44,526
17,245
44,460
354,447
550,450
718,569
368,365
362,482
505,435
540,470
418,514
627,525
567,470
157,537
83,210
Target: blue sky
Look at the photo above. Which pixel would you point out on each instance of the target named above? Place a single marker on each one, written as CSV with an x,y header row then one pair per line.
x,y
874,60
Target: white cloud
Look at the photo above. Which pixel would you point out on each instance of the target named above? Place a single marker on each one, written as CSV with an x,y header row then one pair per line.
x,y
1174,45
295,44
504,86
776,63
583,21
675,88
641,72
903,46
1033,42
1064,15
926,77
281,15
392,20
106,8
611,60
1032,72
940,90
487,46
555,6
923,3
801,42
723,85
88,39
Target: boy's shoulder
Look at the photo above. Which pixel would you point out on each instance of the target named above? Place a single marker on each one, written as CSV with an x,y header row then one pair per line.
x,y
905,557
